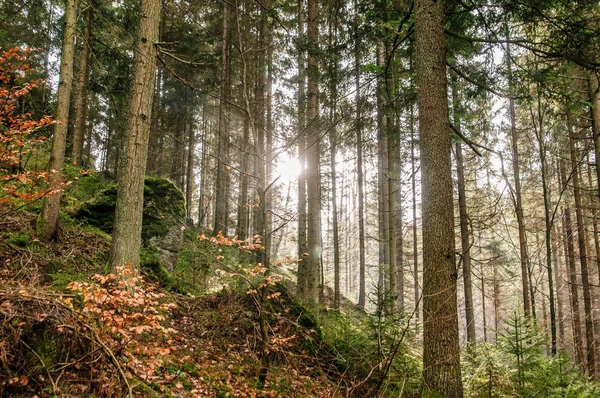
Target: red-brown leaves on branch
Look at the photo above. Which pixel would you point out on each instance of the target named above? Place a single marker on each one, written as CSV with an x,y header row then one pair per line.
x,y
18,128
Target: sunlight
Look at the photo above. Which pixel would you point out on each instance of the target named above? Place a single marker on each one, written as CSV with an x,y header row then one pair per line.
x,y
287,168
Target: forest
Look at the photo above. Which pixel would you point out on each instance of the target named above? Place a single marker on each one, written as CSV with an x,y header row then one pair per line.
x,y
311,198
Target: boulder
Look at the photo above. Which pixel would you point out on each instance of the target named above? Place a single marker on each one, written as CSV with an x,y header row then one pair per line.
x,y
163,220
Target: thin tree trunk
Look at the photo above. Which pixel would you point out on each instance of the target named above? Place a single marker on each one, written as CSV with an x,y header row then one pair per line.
x,y
51,207
594,97
548,224
82,89
189,180
464,224
559,287
362,292
441,353
517,178
243,218
581,239
413,161
577,338
127,234
302,215
221,194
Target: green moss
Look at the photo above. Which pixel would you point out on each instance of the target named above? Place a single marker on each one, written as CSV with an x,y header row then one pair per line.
x,y
164,206
21,239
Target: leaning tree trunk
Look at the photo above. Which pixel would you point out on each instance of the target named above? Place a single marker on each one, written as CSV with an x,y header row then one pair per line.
x,y
127,234
441,352
49,224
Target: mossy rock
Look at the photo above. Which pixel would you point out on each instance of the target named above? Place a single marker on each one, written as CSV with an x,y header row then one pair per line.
x,y
164,207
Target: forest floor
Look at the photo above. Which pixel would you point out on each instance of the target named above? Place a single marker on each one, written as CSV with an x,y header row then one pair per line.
x,y
66,333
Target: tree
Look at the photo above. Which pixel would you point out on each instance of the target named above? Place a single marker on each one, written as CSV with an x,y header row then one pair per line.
x,y
313,236
82,89
127,235
50,211
441,357
19,130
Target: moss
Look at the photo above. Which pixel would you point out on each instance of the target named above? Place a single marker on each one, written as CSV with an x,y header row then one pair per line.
x,y
164,206
20,239
143,389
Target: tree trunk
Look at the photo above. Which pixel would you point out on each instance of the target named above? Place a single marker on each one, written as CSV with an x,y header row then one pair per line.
x,y
51,207
441,353
302,221
541,138
127,234
362,291
577,340
82,89
581,240
594,97
189,179
313,236
464,223
517,178
221,183
243,218
559,287
413,161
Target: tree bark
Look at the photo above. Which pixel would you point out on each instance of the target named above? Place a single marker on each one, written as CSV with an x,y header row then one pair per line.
x,y
441,353
301,126
221,183
127,234
581,240
313,236
464,223
573,289
82,89
51,207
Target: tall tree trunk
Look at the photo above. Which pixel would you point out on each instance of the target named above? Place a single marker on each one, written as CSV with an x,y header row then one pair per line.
x,y
243,218
399,230
334,66
82,89
441,353
362,291
413,161
383,191
517,178
541,138
127,234
189,179
594,98
221,194
464,222
313,236
581,240
302,215
574,294
559,287
203,195
50,210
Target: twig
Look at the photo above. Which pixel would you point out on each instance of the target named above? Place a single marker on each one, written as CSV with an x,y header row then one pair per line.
x,y
54,386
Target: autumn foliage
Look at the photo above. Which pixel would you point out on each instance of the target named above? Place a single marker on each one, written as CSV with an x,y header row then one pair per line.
x,y
19,129
131,317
